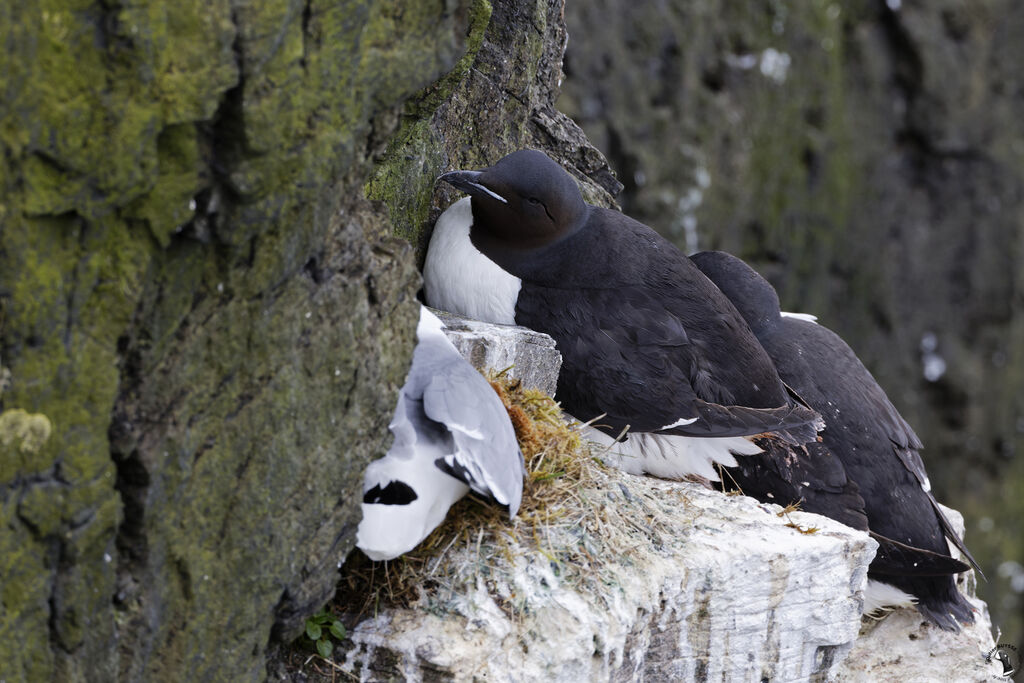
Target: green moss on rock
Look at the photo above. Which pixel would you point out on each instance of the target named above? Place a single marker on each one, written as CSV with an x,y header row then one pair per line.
x,y
179,177
169,171
486,107
23,599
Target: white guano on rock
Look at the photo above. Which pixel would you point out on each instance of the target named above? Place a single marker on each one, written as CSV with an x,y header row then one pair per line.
x,y
902,647
707,587
670,581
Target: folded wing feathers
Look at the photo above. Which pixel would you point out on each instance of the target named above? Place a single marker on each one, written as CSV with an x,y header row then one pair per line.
x,y
900,559
950,533
794,424
486,453
911,459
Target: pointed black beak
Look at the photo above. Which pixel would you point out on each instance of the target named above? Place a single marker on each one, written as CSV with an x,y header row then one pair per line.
x,y
469,182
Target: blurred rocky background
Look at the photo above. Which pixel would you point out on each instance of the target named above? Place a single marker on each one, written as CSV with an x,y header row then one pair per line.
x,y
867,156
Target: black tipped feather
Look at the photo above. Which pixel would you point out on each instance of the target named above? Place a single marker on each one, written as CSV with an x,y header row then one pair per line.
x,y
937,599
950,533
796,425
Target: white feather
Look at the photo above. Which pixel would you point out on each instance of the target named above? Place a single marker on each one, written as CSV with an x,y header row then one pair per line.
x,y
800,316
879,596
679,423
460,279
671,456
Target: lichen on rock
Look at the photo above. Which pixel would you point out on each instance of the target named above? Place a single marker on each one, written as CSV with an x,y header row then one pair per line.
x,y
197,296
25,432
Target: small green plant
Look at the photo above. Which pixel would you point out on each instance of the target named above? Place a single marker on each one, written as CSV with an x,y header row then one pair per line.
x,y
319,629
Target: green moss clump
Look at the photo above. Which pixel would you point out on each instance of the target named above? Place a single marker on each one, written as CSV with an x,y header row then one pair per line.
x,y
404,179
179,179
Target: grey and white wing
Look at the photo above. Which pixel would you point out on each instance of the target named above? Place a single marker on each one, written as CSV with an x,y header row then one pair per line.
x,y
486,453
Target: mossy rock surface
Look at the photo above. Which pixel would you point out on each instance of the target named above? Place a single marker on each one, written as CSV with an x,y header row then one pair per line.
x,y
197,299
499,98
213,320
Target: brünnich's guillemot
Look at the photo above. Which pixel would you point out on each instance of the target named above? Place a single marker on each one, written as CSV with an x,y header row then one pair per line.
x,y
649,346
877,449
452,434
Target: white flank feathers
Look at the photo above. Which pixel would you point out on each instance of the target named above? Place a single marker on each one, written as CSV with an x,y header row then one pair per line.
x,y
448,418
671,456
460,279
879,596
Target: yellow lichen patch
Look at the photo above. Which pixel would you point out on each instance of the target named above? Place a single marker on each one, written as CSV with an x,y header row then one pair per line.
x,y
28,430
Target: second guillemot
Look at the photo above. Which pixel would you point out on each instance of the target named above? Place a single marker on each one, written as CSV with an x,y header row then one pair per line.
x,y
647,341
874,444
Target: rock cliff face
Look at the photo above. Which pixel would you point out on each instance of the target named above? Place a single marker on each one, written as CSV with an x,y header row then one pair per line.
x,y
200,313
868,157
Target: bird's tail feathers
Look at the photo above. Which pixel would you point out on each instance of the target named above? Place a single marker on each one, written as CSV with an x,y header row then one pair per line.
x,y
899,559
938,599
951,534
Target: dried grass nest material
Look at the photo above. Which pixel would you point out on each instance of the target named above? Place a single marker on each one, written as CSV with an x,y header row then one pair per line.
x,y
574,511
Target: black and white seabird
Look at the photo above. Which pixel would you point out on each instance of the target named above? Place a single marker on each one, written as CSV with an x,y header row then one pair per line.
x,y
648,344
452,434
876,446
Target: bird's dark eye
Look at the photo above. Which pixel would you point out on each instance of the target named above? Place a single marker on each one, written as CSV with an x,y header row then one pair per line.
x,y
533,200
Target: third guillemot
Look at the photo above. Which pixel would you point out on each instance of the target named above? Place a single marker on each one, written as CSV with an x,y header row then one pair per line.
x,y
647,341
876,446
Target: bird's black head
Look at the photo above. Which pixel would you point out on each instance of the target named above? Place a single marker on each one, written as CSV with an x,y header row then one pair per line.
x,y
524,201
752,295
